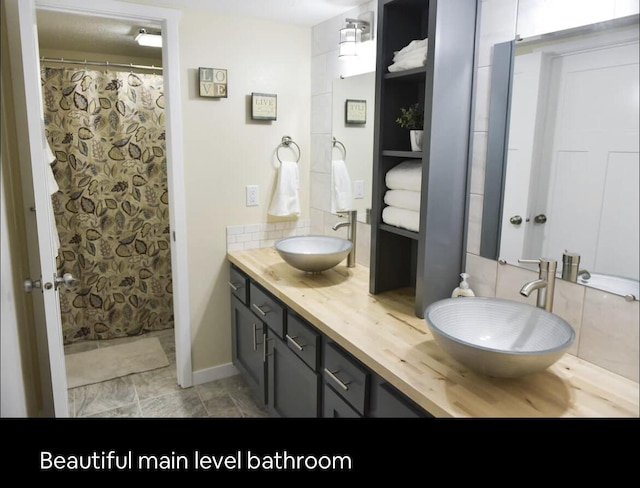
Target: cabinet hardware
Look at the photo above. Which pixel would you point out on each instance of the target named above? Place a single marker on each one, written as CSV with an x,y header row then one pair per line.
x,y
233,286
255,343
262,312
293,341
332,375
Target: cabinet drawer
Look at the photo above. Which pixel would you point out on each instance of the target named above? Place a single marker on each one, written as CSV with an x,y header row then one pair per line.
x,y
267,309
239,284
303,340
347,377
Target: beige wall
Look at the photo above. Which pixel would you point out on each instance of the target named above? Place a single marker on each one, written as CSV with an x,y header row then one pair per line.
x,y
224,150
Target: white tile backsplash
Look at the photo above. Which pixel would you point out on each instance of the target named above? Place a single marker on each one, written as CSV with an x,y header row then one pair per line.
x,y
254,236
497,24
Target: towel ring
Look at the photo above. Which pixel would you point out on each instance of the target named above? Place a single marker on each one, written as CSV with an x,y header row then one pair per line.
x,y
286,142
344,149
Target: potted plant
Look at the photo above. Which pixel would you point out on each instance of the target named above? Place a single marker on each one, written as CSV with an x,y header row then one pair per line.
x,y
412,118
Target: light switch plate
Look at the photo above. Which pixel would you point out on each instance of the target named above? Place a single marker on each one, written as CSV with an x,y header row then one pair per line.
x,y
358,189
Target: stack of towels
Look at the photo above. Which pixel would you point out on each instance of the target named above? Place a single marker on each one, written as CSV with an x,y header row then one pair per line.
x,y
413,55
403,195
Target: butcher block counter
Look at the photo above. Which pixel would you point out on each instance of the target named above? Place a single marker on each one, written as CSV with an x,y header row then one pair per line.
x,y
383,332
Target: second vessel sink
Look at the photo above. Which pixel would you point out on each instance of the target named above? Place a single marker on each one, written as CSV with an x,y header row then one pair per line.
x,y
313,253
497,337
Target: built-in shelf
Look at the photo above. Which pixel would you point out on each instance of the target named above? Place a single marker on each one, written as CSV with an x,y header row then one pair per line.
x,y
403,154
407,75
397,230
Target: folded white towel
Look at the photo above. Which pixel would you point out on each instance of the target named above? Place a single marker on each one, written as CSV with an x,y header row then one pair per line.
x,y
412,46
341,195
285,200
403,199
413,55
413,59
401,217
405,176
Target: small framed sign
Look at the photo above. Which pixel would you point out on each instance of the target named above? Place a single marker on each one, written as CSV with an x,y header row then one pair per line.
x,y
355,112
264,106
213,82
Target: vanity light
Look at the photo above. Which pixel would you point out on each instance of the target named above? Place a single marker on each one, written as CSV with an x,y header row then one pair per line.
x,y
356,31
145,38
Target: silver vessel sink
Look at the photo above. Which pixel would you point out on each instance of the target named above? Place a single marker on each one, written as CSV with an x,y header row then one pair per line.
x,y
497,337
313,253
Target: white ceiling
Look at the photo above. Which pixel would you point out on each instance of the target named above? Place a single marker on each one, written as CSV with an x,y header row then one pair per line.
x,y
68,32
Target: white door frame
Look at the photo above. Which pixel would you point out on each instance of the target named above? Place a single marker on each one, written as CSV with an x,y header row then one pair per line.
x,y
168,20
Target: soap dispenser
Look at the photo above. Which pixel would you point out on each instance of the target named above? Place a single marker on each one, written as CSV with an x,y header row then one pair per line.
x,y
463,289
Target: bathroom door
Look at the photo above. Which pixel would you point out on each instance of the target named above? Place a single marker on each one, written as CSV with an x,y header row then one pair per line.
x,y
41,243
593,152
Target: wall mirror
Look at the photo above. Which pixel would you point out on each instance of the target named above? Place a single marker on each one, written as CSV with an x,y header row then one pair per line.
x,y
563,152
354,142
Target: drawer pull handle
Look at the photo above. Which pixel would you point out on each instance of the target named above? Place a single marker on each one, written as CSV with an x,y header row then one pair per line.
x,y
233,286
255,342
332,375
293,341
262,312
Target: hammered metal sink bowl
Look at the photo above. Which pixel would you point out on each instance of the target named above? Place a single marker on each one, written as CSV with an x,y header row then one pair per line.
x,y
497,337
313,254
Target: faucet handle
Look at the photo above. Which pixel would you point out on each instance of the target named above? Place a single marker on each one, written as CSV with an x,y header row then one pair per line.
x,y
543,263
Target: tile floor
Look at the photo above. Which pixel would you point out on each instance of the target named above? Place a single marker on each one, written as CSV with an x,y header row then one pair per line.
x,y
156,393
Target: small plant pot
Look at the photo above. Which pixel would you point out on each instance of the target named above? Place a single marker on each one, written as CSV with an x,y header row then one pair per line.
x,y
415,136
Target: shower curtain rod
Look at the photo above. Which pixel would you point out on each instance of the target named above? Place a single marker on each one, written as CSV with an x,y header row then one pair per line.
x,y
99,63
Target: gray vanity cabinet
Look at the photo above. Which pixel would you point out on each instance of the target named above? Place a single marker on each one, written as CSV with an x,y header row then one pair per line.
x,y
295,370
248,336
294,388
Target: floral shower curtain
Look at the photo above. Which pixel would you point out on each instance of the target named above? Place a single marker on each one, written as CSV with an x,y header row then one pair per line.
x,y
107,132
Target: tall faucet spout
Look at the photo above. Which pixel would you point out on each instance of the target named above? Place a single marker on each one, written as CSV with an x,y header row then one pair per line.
x,y
532,286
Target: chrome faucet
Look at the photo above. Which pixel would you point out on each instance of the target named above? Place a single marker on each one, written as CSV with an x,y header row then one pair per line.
x,y
352,223
571,267
545,284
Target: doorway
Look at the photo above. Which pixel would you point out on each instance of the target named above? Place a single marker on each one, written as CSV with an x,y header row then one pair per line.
x,y
167,20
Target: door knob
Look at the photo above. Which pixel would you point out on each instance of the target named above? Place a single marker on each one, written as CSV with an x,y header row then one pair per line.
x,y
66,279
540,219
29,285
516,220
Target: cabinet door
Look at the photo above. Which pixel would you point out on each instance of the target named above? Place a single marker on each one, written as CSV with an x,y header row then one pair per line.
x,y
335,406
294,389
386,401
248,335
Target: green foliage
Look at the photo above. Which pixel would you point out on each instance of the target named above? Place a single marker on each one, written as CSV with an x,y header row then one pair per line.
x,y
412,117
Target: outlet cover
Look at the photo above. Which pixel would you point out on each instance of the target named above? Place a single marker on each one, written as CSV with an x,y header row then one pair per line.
x,y
252,195
358,189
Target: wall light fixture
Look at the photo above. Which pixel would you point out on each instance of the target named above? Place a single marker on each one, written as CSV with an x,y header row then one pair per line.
x,y
356,31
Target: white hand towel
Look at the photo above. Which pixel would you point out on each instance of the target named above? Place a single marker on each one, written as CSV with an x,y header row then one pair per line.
x,y
403,199
401,217
341,195
285,200
414,59
405,176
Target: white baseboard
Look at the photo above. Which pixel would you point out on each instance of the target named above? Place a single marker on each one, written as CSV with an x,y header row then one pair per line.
x,y
215,373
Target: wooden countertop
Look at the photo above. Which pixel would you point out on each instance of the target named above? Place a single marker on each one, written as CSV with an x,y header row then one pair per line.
x,y
383,332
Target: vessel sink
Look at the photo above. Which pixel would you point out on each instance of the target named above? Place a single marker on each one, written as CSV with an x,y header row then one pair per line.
x,y
498,337
313,253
